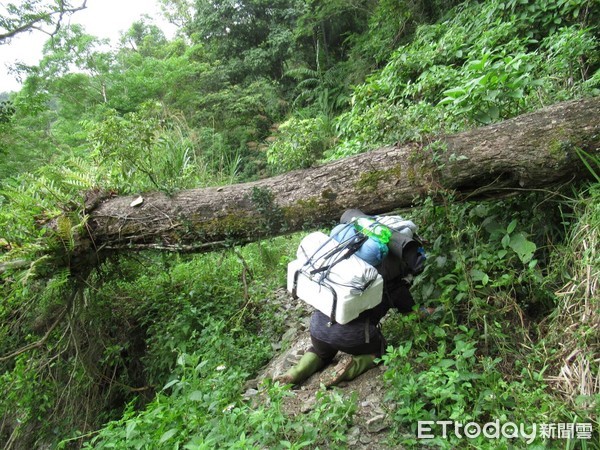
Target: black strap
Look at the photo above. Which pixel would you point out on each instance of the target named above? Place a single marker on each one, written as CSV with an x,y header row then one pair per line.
x,y
295,287
352,247
333,306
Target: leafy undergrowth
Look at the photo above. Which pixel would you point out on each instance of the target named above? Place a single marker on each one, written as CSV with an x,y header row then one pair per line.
x,y
515,341
517,335
485,62
152,351
175,338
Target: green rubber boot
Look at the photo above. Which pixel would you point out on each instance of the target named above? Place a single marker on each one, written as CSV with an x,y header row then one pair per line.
x,y
347,369
308,364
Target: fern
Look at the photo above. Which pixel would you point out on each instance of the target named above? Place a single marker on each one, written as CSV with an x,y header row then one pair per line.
x,y
78,173
302,73
31,200
76,179
64,230
321,88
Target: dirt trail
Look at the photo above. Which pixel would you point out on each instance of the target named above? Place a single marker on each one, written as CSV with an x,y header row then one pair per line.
x,y
371,422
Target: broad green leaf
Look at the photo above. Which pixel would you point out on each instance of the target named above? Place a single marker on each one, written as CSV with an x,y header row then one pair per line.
x,y
439,332
492,226
167,435
196,396
170,383
445,363
483,117
469,352
523,247
478,275
130,430
494,112
454,92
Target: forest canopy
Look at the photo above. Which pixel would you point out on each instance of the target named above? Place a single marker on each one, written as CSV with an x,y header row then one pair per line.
x,y
152,350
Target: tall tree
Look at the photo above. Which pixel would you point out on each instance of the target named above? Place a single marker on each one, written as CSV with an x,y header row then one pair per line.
x,y
254,36
328,25
144,38
29,15
178,12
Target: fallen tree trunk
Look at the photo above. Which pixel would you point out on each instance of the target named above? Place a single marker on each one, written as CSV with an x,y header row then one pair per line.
x,y
531,151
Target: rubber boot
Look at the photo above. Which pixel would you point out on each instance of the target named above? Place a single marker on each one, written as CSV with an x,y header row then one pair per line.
x,y
308,364
348,369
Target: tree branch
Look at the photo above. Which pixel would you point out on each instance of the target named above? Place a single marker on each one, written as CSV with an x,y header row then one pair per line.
x,y
44,17
44,338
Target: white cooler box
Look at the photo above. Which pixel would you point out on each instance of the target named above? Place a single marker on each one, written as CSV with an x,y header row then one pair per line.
x,y
333,295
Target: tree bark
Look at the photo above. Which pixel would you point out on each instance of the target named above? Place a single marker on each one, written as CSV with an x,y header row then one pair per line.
x,y
535,150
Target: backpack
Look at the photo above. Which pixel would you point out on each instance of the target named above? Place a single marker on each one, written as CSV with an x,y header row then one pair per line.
x,y
330,277
336,274
404,243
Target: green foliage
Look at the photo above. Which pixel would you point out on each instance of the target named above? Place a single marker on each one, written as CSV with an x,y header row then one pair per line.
x,y
541,18
203,396
72,45
7,111
324,91
29,15
591,162
481,65
133,79
451,383
493,87
481,256
202,344
153,149
130,147
25,144
252,38
478,360
237,114
577,307
391,23
31,200
153,351
145,39
571,58
300,143
210,307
